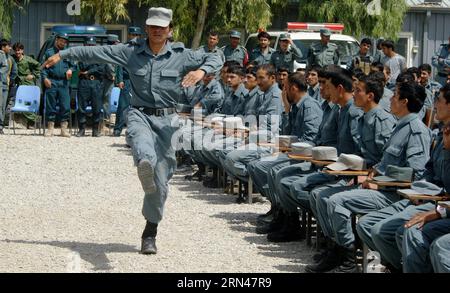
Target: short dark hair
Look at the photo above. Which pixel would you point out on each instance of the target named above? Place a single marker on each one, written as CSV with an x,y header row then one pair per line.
x,y
315,68
298,80
251,70
269,69
231,63
415,94
425,67
445,90
18,46
283,69
414,71
366,41
213,34
405,77
380,76
374,85
342,77
264,35
4,42
358,73
378,65
388,44
238,70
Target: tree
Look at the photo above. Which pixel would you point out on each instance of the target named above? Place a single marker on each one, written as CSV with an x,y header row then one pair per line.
x,y
355,16
195,17
105,11
7,13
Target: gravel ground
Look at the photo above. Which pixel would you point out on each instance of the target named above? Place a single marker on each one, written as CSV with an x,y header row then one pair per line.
x,y
74,205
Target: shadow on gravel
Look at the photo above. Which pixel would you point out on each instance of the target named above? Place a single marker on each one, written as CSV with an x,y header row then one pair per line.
x,y
121,147
90,252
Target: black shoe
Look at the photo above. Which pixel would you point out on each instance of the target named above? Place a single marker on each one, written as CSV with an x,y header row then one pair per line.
x,y
96,133
241,200
266,218
148,246
116,133
291,230
275,225
1,131
320,255
211,184
331,260
81,132
197,175
348,264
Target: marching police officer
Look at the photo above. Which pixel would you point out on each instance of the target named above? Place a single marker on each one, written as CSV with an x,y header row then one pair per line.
x,y
287,53
323,53
56,82
442,62
156,69
90,89
263,53
234,51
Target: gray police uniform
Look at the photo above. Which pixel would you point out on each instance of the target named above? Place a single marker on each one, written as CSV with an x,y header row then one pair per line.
x,y
323,55
294,191
204,49
257,57
155,83
209,96
439,253
239,54
385,101
314,92
3,89
408,146
122,75
375,129
268,107
286,59
443,66
380,229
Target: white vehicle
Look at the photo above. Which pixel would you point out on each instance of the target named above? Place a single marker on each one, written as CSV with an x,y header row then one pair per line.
x,y
304,34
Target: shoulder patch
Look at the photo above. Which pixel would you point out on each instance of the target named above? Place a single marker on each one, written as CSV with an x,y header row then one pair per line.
x,y
355,112
416,126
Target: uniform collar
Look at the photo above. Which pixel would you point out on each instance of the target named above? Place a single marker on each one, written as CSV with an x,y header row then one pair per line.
x,y
211,84
253,91
405,120
144,47
271,89
240,91
302,100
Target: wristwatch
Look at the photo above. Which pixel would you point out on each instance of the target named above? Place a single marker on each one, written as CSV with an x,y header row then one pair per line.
x,y
442,211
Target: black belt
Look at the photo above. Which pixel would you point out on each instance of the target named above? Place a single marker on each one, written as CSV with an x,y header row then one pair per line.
x,y
90,77
58,78
441,74
156,111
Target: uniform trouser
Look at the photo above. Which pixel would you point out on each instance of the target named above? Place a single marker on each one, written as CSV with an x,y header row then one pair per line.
x,y
264,170
216,152
108,85
57,95
416,247
90,91
3,99
299,190
440,254
123,106
150,138
343,205
237,161
318,201
382,230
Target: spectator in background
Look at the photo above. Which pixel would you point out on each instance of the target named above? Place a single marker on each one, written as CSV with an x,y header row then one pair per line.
x,y
393,60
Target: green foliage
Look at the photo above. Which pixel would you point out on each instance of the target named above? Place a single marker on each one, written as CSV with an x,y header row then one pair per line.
x,y
7,13
353,14
105,11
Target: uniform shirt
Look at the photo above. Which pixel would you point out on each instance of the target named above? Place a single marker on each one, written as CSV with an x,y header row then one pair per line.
x,y
286,59
307,117
57,71
232,102
379,56
347,134
385,101
25,67
434,87
210,96
444,53
205,49
12,73
361,61
409,146
327,134
248,105
323,55
96,70
375,129
155,79
270,104
397,64
3,68
122,74
259,58
314,92
427,104
446,170
435,168
239,54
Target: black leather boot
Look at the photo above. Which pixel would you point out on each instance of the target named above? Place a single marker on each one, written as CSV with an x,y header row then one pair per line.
x,y
275,225
95,130
291,231
148,245
348,264
330,261
82,130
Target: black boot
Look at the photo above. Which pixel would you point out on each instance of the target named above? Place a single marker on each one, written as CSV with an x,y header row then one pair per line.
x,y
82,130
148,245
197,175
330,261
267,217
348,264
323,250
95,130
275,225
291,231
